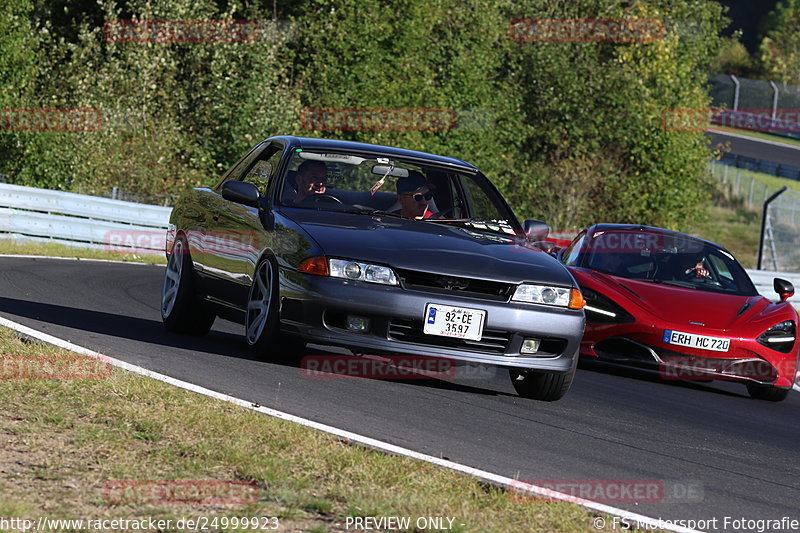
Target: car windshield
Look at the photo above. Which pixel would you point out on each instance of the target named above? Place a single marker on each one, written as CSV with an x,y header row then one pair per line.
x,y
671,259
365,184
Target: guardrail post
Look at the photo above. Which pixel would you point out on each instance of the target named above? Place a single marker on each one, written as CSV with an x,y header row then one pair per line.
x,y
774,101
764,223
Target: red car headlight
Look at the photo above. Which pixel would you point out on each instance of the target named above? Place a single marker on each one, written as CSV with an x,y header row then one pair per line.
x,y
600,309
779,337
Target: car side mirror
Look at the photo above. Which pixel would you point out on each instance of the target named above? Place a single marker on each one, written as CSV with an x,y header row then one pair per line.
x,y
536,230
784,288
240,192
546,246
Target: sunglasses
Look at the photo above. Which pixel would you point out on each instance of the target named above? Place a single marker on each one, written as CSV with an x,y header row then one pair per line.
x,y
419,196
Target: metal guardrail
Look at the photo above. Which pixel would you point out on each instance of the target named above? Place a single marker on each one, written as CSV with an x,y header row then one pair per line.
x,y
80,220
762,279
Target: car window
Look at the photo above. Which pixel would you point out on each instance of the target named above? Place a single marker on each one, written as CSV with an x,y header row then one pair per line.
x,y
570,255
482,206
364,183
720,267
242,165
263,169
673,259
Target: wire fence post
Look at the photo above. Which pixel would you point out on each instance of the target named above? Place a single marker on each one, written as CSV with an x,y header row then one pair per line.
x,y
774,101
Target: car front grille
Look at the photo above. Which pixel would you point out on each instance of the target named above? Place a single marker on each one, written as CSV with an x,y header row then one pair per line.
x,y
454,285
492,341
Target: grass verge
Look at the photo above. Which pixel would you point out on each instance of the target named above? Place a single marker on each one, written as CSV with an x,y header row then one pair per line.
x,y
13,246
737,229
64,440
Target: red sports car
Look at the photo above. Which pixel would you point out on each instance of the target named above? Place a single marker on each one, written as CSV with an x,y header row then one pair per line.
x,y
660,298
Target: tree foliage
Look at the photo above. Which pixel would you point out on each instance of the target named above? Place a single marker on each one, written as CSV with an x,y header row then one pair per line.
x,y
570,131
174,114
779,51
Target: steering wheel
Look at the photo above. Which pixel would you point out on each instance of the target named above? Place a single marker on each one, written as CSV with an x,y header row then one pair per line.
x,y
705,280
325,198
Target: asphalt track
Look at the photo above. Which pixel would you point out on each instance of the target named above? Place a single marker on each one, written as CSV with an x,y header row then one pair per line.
x,y
716,452
776,152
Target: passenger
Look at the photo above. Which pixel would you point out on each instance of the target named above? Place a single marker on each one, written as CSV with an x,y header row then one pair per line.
x,y
312,178
413,194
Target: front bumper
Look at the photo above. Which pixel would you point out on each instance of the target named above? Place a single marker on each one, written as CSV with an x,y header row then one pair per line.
x,y
746,360
313,306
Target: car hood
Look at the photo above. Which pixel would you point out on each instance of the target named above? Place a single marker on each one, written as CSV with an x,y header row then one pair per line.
x,y
430,247
681,305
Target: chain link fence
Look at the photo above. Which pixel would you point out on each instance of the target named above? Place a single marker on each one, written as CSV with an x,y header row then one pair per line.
x,y
781,250
756,105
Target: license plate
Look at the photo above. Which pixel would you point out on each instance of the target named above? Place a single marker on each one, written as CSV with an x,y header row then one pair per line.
x,y
458,322
701,342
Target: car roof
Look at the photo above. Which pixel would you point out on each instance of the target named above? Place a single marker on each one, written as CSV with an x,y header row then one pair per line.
x,y
313,143
650,229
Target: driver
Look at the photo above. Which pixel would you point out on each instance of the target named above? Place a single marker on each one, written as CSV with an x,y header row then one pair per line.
x,y
413,194
312,178
700,271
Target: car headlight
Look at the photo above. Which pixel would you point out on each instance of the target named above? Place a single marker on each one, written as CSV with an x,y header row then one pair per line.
x,y
600,309
358,271
779,337
545,294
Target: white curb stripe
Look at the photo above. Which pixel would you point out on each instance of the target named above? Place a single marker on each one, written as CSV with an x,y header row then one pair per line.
x,y
117,261
510,484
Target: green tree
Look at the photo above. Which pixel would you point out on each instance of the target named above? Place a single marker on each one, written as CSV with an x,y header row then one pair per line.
x,y
411,54
174,114
593,112
779,51
18,59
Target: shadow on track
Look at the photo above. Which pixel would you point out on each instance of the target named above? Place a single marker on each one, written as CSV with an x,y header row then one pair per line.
x,y
215,342
654,376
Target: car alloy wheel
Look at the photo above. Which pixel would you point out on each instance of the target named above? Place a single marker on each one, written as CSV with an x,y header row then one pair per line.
x,y
172,279
182,310
260,305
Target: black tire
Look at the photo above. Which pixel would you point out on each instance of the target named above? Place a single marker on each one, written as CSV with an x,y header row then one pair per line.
x,y
181,309
543,386
766,392
261,316
292,345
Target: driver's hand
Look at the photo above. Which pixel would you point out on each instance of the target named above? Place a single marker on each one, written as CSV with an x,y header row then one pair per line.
x,y
699,270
